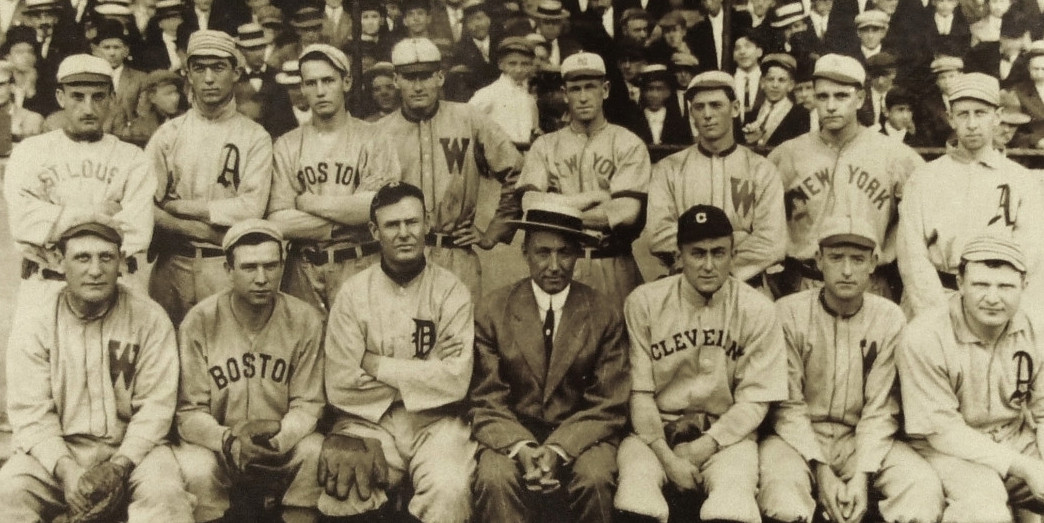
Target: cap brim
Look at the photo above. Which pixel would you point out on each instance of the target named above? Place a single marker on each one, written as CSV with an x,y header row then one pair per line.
x,y
581,74
986,256
983,99
210,53
579,235
86,78
307,25
419,67
839,78
848,239
250,44
95,229
1015,118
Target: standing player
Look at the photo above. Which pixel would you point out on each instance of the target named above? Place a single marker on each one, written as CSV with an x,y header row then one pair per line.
x,y
79,169
443,148
707,359
838,428
843,169
971,188
716,171
399,355
971,391
251,388
326,172
214,167
92,382
599,168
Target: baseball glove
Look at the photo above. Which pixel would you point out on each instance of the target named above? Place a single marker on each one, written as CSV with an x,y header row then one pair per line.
x,y
105,487
682,430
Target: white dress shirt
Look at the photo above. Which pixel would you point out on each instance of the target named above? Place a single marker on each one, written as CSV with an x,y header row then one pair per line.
x,y
554,57
334,14
744,78
893,132
456,21
172,51
117,73
771,115
867,52
943,24
656,119
819,23
553,301
204,19
483,47
717,26
607,22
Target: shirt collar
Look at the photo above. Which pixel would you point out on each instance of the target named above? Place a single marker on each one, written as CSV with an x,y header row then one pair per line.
x,y
405,278
963,333
656,116
691,295
553,301
992,158
728,150
831,311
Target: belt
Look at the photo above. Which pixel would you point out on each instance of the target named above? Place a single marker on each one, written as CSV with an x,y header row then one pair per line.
x,y
30,268
317,256
191,251
594,253
948,280
438,239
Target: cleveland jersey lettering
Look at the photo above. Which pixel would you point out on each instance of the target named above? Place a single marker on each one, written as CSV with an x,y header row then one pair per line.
x,y
693,338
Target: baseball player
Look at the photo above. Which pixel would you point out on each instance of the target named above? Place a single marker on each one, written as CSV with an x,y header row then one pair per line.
x,y
707,358
716,171
214,168
972,187
970,389
399,358
58,176
599,168
92,383
839,424
326,172
251,388
443,147
843,169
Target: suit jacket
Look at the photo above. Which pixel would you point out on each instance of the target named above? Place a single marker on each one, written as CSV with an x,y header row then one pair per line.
x,y
339,34
913,140
865,114
932,122
577,400
131,83
465,52
1031,105
986,58
702,38
440,24
676,129
1029,11
796,123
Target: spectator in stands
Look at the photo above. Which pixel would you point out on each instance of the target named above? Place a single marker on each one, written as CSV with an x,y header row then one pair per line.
x,y
24,123
635,27
256,85
880,72
684,67
161,49
270,18
899,117
508,101
110,43
416,18
935,104
337,23
950,30
707,36
380,80
790,33
630,59
988,29
43,16
1011,131
871,27
746,53
307,24
759,11
804,90
291,110
819,19
20,50
1005,58
663,121
778,119
393,18
159,101
674,38
477,48
1029,91
550,18
1033,14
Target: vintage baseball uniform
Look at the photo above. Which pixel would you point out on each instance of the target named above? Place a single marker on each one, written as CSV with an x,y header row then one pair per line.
x,y
88,388
864,177
842,411
224,158
51,178
722,356
230,375
741,182
611,159
953,198
422,333
330,166
974,405
444,155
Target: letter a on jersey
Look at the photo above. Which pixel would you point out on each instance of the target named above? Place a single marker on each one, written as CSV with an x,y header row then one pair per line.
x,y
230,168
423,338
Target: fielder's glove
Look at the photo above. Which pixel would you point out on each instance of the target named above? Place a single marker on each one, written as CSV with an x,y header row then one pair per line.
x,y
105,487
249,448
348,460
682,430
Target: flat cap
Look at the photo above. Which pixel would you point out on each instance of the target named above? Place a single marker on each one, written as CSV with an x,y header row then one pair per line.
x,y
582,65
783,60
946,63
880,62
1011,109
976,86
162,77
307,17
684,61
416,55
709,80
872,18
84,68
515,44
900,96
634,13
210,42
841,69
250,226
379,69
269,15
703,222
842,230
290,73
252,35
96,224
787,14
327,52
993,246
673,19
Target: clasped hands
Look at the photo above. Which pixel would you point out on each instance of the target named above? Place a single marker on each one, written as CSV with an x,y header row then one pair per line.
x,y
539,468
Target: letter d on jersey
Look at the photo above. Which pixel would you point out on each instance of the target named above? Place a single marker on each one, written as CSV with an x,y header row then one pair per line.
x,y
423,338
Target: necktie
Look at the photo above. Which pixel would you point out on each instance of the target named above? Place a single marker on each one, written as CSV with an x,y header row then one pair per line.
x,y
549,333
749,99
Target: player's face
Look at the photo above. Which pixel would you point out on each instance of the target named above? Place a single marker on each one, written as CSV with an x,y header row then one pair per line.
x,y
585,97
551,259
385,93
400,229
846,270
707,263
974,123
256,273
86,106
837,104
477,25
212,79
777,84
113,50
712,111
91,265
420,91
990,295
324,86
166,99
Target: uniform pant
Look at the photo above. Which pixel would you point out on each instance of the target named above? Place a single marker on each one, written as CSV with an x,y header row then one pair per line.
x,y
206,477
29,493
588,481
463,263
614,277
179,282
436,453
730,482
911,491
318,284
976,492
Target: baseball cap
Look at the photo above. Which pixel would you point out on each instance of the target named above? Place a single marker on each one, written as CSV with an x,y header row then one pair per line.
x,y
872,18
709,80
976,86
846,230
290,73
84,68
250,226
946,63
416,55
840,69
703,222
162,77
582,65
210,42
992,246
252,35
329,53
783,60
99,225
515,44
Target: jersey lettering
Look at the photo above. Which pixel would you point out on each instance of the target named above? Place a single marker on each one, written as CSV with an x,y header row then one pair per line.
x,y
1023,376
423,338
454,150
230,167
742,195
681,341
123,357
603,166
876,192
246,366
320,173
869,356
1004,207
87,169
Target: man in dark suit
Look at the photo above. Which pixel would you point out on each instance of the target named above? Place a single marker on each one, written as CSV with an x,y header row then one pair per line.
x,y
663,122
110,43
1003,59
550,20
550,386
707,35
447,20
880,72
933,120
476,48
1029,91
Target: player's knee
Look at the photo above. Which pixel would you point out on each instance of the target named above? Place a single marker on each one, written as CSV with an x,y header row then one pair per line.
x,y
920,497
15,496
785,497
199,465
593,476
496,475
986,501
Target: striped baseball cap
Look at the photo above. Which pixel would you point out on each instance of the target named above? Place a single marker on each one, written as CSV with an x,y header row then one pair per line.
x,y
84,68
290,73
993,246
975,86
416,55
209,42
329,53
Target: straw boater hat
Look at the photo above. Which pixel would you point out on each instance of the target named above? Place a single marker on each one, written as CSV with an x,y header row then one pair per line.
x,y
549,10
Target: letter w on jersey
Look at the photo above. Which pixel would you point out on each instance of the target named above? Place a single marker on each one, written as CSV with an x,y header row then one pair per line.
x,y
454,149
123,357
742,195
